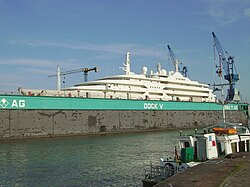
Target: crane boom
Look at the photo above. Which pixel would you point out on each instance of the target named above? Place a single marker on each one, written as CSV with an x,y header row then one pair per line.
x,y
172,56
75,71
220,53
177,63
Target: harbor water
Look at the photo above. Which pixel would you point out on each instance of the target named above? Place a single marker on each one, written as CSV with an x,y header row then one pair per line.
x,y
106,160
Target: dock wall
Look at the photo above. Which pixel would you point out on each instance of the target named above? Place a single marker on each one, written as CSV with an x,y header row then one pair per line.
x,y
51,123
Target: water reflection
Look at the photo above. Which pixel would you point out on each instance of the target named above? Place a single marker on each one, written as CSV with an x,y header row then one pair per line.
x,y
111,160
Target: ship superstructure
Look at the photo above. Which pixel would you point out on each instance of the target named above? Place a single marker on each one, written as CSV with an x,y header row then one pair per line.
x,y
160,85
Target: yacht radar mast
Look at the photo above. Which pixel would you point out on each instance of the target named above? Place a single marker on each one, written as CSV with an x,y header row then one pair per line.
x,y
126,67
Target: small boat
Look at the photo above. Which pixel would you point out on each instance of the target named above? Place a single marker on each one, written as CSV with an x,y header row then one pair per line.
x,y
216,141
221,140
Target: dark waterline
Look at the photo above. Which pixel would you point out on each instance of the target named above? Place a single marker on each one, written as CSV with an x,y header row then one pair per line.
x,y
111,160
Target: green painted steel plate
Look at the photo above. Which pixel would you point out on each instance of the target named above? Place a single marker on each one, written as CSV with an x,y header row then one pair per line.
x,y
68,103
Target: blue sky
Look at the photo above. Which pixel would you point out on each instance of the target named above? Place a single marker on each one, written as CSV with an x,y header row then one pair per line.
x,y
36,36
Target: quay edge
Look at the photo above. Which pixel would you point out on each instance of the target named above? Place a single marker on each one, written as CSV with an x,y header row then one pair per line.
x,y
231,171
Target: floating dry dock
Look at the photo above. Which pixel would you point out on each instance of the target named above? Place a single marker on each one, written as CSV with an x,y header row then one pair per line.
x,y
46,116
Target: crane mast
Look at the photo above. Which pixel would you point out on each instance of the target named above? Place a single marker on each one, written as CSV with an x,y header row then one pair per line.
x,y
177,63
230,73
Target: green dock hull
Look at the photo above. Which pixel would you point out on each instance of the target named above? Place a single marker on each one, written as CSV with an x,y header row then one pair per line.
x,y
40,116
70,103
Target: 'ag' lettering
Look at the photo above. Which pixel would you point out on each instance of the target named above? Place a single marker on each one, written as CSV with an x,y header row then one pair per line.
x,y
18,104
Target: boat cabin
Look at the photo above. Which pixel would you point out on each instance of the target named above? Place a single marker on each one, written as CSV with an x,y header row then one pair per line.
x,y
215,141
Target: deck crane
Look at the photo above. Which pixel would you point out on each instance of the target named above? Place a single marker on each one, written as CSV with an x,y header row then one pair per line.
x,y
183,70
230,73
59,74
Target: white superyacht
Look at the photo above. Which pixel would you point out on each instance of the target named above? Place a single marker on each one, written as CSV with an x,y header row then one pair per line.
x,y
160,85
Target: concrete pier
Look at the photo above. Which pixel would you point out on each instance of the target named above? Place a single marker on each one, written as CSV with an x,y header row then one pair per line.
x,y
231,171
